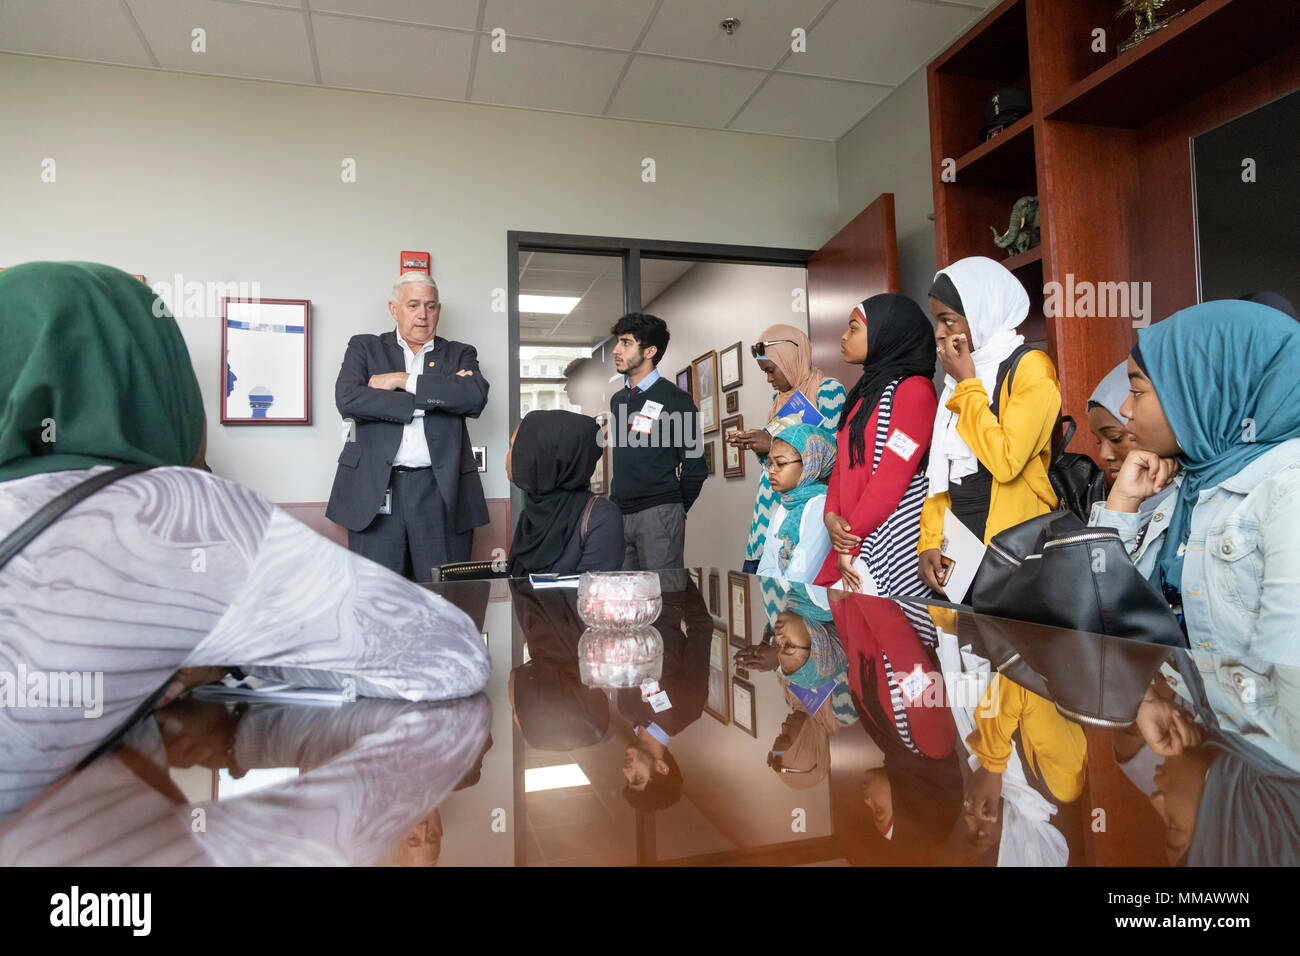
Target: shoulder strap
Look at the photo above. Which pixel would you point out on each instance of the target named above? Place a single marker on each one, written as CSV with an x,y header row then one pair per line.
x,y
586,520
21,536
1007,370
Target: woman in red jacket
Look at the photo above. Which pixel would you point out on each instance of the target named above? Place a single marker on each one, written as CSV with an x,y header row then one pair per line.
x,y
875,494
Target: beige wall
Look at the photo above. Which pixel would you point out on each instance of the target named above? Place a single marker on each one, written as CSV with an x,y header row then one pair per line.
x,y
226,180
889,151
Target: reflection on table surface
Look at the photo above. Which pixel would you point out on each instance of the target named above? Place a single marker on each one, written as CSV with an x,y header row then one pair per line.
x,y
753,722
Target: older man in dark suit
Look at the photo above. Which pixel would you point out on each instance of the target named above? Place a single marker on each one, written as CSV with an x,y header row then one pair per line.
x,y
407,486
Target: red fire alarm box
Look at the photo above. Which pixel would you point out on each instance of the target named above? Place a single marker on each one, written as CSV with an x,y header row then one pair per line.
x,y
414,262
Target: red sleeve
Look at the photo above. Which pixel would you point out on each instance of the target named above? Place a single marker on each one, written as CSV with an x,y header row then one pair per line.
x,y
914,408
933,730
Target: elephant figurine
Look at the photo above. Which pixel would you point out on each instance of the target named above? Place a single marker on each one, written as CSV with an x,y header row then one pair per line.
x,y
1023,232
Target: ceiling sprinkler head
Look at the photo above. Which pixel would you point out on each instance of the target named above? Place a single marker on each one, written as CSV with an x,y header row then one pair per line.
x,y
730,26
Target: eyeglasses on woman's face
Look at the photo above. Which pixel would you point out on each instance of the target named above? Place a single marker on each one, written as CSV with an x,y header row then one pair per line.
x,y
776,464
759,349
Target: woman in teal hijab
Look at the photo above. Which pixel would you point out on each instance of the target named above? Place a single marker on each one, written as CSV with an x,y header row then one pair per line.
x,y
1214,393
93,371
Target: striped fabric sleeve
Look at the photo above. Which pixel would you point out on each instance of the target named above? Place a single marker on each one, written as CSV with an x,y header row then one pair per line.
x,y
830,401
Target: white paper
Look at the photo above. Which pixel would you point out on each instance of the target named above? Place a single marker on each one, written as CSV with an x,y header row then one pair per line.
x,y
541,582
965,551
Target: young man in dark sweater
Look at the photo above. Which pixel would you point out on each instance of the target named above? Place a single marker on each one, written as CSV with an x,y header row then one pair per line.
x,y
655,430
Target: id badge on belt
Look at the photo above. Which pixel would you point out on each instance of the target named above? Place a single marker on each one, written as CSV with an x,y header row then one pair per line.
x,y
387,507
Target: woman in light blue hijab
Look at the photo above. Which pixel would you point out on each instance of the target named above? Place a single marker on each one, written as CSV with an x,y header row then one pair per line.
x,y
1214,393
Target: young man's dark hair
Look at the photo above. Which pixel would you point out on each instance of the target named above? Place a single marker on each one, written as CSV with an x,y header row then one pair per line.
x,y
662,790
647,330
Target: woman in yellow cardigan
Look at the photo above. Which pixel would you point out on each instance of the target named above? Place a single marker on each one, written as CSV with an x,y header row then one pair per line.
x,y
988,465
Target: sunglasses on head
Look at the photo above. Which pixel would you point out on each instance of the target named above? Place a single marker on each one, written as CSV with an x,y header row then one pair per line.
x,y
759,349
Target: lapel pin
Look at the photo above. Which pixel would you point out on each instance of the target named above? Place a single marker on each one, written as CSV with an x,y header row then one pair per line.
x,y
430,365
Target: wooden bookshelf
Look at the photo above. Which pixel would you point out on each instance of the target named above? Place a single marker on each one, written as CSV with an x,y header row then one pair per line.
x,y
1105,150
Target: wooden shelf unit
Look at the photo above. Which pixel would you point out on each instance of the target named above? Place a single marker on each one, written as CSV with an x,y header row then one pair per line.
x,y
1105,150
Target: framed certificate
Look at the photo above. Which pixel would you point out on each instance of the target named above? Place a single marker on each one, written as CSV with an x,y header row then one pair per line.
x,y
730,371
704,377
265,368
744,712
718,704
738,609
684,381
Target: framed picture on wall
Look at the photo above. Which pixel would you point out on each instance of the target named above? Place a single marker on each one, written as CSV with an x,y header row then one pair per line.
x,y
738,609
708,456
715,590
730,371
684,381
733,402
265,367
733,460
704,376
744,712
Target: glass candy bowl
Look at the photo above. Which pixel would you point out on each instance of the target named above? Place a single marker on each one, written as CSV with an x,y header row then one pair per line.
x,y
619,600
614,659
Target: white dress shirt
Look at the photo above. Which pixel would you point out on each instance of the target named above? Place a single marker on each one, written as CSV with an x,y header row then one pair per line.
x,y
413,452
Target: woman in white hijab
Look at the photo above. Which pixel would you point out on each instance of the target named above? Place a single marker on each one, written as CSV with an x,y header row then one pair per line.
x,y
992,440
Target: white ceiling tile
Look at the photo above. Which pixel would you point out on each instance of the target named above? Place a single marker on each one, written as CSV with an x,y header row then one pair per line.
x,y
462,14
546,76
690,28
612,23
241,40
80,29
808,106
392,58
675,91
881,41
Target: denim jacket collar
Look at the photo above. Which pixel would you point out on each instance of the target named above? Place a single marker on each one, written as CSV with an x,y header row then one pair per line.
x,y
1272,461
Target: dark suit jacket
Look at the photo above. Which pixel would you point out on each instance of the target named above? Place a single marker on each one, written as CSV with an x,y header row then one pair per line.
x,y
447,399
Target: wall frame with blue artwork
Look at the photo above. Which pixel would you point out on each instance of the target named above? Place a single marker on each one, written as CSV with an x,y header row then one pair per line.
x,y
265,361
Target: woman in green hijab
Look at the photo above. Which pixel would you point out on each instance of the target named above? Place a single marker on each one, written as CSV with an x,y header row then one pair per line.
x,y
94,371
169,569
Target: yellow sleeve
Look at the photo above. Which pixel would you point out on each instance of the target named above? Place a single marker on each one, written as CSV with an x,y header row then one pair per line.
x,y
932,521
1005,445
996,718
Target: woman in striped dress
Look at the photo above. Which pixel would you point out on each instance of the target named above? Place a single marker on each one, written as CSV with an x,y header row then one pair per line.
x,y
785,356
874,497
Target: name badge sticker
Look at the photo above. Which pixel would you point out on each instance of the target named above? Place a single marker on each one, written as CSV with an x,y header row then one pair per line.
x,y
901,445
660,701
644,420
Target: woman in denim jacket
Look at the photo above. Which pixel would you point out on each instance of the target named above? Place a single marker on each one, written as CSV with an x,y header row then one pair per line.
x,y
1214,393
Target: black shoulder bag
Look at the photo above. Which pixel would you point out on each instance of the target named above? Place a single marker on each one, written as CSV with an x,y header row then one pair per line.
x,y
1075,478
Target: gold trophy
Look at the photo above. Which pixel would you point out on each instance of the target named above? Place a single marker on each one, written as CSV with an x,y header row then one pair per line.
x,y
1144,13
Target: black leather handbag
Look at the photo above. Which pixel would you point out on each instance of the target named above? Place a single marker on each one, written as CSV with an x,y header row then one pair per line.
x,y
1055,570
1091,678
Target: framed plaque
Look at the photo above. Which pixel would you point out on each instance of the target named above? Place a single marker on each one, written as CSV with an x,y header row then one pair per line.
x,y
733,458
265,362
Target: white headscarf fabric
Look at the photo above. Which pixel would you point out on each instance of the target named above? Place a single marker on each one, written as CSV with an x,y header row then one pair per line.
x,y
995,303
1112,391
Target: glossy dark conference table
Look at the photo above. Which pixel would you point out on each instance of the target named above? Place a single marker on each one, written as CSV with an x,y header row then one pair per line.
x,y
531,772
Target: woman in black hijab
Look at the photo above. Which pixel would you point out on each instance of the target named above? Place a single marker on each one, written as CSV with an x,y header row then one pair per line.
x,y
874,497
564,528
